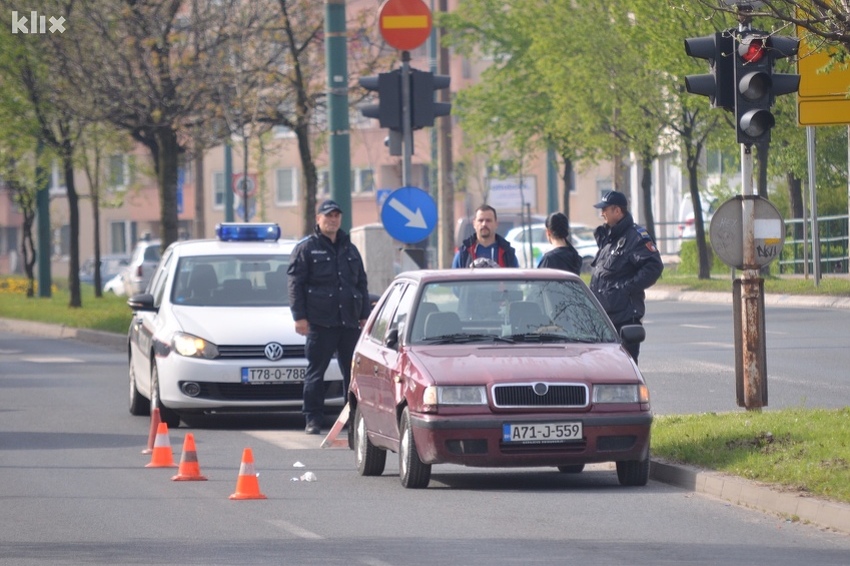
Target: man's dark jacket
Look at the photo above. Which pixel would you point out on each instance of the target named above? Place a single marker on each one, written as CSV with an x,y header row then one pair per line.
x,y
627,264
507,254
327,281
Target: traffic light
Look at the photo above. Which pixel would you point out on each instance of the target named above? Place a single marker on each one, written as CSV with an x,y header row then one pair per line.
x,y
756,85
719,84
423,107
388,109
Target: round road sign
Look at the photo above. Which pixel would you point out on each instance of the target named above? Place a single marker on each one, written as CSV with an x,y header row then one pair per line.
x,y
726,232
405,24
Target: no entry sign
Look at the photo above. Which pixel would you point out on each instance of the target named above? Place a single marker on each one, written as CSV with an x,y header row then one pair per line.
x,y
405,24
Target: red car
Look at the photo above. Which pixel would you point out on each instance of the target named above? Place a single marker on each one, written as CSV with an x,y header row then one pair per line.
x,y
496,368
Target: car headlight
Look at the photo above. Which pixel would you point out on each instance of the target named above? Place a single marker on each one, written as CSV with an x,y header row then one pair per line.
x,y
193,347
621,393
455,395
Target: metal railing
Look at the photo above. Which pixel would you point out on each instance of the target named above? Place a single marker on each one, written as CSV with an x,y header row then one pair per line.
x,y
797,253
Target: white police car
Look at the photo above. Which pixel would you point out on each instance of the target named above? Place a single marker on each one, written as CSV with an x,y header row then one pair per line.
x,y
215,332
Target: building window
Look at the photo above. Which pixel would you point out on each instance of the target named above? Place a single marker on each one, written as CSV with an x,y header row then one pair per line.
x,y
286,186
119,172
603,187
323,185
57,180
365,181
218,190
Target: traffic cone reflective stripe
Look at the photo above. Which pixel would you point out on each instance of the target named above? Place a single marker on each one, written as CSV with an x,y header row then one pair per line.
x,y
247,484
155,420
189,470
161,457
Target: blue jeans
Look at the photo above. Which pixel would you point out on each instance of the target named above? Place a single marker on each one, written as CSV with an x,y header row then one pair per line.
x,y
322,342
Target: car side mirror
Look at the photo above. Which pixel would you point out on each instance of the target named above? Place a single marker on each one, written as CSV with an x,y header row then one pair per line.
x,y
633,333
392,339
142,302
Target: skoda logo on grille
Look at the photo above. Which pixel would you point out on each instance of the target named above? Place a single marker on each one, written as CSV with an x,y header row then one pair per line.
x,y
541,389
273,351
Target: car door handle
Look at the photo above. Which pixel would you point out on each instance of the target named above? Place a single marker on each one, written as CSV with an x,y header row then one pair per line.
x,y
397,378
375,370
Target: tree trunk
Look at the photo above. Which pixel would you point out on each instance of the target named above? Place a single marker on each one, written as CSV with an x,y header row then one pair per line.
x,y
200,217
166,168
762,151
74,214
308,199
98,276
568,184
795,198
646,192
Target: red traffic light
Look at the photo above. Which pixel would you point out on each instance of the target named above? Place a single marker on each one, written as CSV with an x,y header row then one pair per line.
x,y
751,48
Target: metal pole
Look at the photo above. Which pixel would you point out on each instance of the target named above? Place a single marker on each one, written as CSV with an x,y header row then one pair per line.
x,y
228,181
339,147
753,370
406,130
813,204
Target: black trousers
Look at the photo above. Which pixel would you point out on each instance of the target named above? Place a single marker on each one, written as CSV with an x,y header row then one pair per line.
x,y
322,343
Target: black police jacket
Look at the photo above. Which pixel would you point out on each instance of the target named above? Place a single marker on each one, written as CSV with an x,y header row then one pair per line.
x,y
327,282
626,265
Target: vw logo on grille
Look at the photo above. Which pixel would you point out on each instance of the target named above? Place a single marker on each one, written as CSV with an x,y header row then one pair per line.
x,y
273,351
541,389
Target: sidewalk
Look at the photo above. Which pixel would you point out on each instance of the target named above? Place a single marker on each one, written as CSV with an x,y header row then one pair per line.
x,y
791,505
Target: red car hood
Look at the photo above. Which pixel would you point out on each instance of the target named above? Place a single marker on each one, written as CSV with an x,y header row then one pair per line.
x,y
597,363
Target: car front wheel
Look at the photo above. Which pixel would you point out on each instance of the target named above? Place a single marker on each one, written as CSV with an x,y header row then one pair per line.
x,y
139,406
370,459
166,415
412,472
633,472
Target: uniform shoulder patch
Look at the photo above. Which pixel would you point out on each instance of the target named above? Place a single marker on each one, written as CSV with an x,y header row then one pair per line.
x,y
642,232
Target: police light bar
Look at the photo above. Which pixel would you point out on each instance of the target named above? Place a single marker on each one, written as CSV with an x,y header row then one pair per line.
x,y
247,232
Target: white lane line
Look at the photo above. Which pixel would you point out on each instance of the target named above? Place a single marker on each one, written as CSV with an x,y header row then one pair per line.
x,y
52,360
294,530
701,326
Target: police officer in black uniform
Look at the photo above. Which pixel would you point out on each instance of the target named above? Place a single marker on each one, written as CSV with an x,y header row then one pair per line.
x,y
330,303
626,265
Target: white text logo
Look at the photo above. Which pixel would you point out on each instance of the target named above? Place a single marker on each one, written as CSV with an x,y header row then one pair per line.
x,y
37,24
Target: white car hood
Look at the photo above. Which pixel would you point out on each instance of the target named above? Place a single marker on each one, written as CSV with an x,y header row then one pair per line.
x,y
239,326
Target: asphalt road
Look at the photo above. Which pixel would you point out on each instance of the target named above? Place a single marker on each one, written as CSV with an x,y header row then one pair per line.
x,y
75,489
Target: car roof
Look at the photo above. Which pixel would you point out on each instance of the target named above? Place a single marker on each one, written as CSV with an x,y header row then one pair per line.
x,y
217,247
485,274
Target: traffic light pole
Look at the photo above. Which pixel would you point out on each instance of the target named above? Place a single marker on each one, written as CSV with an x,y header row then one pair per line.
x,y
750,299
406,127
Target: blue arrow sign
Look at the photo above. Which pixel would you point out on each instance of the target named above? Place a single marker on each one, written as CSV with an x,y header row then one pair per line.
x,y
409,215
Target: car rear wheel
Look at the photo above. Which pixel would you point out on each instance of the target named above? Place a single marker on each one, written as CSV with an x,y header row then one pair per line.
x,y
370,459
633,472
574,469
166,415
412,472
139,406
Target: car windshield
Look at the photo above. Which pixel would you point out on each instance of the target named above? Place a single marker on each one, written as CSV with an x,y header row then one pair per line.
x,y
231,281
508,311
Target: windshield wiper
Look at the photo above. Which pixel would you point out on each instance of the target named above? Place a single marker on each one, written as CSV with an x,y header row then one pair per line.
x,y
464,338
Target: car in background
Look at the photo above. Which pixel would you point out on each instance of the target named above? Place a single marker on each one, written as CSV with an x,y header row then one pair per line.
x,y
110,266
687,227
581,237
115,286
496,368
143,262
214,333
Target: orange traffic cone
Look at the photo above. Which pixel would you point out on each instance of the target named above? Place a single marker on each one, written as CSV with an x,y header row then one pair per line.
x,y
189,468
162,456
155,420
247,484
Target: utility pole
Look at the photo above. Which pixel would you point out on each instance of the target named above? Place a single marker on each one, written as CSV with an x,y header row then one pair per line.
x,y
445,164
339,149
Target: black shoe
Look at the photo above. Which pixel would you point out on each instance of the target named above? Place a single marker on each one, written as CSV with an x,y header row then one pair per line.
x,y
312,428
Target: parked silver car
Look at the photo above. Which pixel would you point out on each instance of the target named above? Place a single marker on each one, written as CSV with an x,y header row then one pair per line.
x,y
143,263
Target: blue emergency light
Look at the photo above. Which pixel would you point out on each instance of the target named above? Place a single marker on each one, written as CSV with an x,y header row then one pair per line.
x,y
248,231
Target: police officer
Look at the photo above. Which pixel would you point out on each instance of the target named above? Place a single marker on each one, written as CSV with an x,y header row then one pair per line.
x,y
330,303
626,265
485,242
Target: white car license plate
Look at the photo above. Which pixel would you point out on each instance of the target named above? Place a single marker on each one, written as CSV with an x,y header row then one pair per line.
x,y
257,376
541,432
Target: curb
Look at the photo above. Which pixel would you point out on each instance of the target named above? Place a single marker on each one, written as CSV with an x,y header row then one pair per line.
x,y
796,506
792,505
816,301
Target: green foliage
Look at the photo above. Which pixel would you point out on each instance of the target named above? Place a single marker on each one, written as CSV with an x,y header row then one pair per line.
x,y
689,259
801,449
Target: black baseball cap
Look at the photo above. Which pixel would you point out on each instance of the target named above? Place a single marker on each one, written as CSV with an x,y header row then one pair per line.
x,y
613,198
329,206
